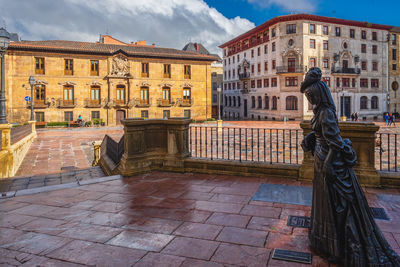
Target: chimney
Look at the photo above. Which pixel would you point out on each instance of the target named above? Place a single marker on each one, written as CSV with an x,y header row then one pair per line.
x,y
196,45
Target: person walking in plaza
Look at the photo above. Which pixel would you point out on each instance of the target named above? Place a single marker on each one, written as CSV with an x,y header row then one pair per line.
x,y
356,116
342,229
386,117
352,116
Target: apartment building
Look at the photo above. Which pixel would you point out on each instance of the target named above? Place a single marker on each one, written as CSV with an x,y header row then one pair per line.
x,y
264,67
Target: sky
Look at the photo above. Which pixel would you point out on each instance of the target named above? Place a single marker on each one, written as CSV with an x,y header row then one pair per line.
x,y
172,23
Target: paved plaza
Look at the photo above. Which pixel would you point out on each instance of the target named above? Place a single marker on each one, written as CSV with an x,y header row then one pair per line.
x,y
163,219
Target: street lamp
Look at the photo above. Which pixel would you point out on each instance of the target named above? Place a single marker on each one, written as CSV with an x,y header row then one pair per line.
x,y
4,43
219,102
32,82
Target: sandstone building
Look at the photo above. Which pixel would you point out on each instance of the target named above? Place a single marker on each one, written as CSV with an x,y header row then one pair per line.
x,y
264,67
109,80
216,74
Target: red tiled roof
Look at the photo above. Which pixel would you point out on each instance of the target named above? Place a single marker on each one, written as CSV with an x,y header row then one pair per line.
x,y
107,49
278,19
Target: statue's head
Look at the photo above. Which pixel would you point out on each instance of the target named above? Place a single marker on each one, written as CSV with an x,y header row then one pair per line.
x,y
317,92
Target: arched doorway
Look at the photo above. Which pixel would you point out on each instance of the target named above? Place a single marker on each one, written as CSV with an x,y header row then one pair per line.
x,y
120,116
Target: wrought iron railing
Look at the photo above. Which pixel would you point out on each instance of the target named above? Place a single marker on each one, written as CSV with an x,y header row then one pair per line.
x,y
246,144
386,152
64,103
114,150
245,75
291,69
18,133
346,70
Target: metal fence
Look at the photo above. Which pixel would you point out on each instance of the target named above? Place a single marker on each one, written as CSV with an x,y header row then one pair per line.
x,y
18,133
386,153
246,144
114,149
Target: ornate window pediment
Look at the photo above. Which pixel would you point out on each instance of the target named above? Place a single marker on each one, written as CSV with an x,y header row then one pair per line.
x,y
41,82
94,83
187,85
166,84
67,83
144,83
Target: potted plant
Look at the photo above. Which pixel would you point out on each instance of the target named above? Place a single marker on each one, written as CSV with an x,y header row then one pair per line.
x,y
102,122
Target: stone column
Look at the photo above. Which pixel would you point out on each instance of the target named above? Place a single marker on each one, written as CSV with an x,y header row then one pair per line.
x,y
5,136
362,136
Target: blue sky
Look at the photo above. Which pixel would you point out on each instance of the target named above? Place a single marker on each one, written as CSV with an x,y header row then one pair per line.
x,y
259,11
172,23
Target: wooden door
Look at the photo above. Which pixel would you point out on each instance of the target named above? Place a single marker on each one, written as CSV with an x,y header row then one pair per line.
x,y
120,116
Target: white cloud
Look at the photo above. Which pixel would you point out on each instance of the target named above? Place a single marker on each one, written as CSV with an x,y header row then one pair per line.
x,y
288,5
167,23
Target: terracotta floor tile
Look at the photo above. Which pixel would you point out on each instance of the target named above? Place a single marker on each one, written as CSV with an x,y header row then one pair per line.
x,y
191,247
88,232
57,263
200,188
200,263
289,242
68,214
227,219
231,198
391,240
294,212
234,191
12,220
11,235
114,197
34,210
218,207
270,225
105,219
176,203
261,211
11,205
243,236
86,205
155,225
89,253
198,230
110,207
46,226
39,244
197,195
141,240
199,216
241,255
158,259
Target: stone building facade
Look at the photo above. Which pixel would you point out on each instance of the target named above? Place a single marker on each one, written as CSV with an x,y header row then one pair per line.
x,y
394,69
264,67
107,81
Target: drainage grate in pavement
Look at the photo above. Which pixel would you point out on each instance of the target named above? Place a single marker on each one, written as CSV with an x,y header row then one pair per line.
x,y
68,168
379,213
299,221
288,255
298,195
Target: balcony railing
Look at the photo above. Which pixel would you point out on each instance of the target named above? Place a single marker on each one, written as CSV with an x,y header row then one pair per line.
x,y
243,76
245,91
346,70
143,103
165,102
66,103
94,103
185,102
38,103
291,69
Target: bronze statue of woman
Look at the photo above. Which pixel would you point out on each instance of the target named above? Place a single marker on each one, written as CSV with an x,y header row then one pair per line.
x,y
342,227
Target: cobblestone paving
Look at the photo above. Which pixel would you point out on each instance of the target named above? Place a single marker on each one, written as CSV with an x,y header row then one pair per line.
x,y
69,149
162,219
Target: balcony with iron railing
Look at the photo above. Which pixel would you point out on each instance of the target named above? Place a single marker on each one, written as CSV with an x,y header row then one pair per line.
x,y
291,69
38,104
185,102
341,70
94,103
245,75
143,103
161,102
66,103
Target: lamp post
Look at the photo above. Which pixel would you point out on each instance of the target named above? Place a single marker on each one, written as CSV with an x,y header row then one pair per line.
x,y
219,102
32,82
4,43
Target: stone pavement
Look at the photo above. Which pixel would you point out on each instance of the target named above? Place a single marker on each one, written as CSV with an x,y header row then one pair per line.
x,y
22,183
63,150
163,219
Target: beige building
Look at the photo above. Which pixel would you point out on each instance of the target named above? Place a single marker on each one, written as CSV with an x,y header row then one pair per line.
x,y
264,67
108,80
394,69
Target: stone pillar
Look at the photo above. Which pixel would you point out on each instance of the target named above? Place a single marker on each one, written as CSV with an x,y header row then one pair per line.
x,y
5,136
362,136
96,152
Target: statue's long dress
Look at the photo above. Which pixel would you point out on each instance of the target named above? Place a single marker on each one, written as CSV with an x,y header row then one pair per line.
x,y
342,226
